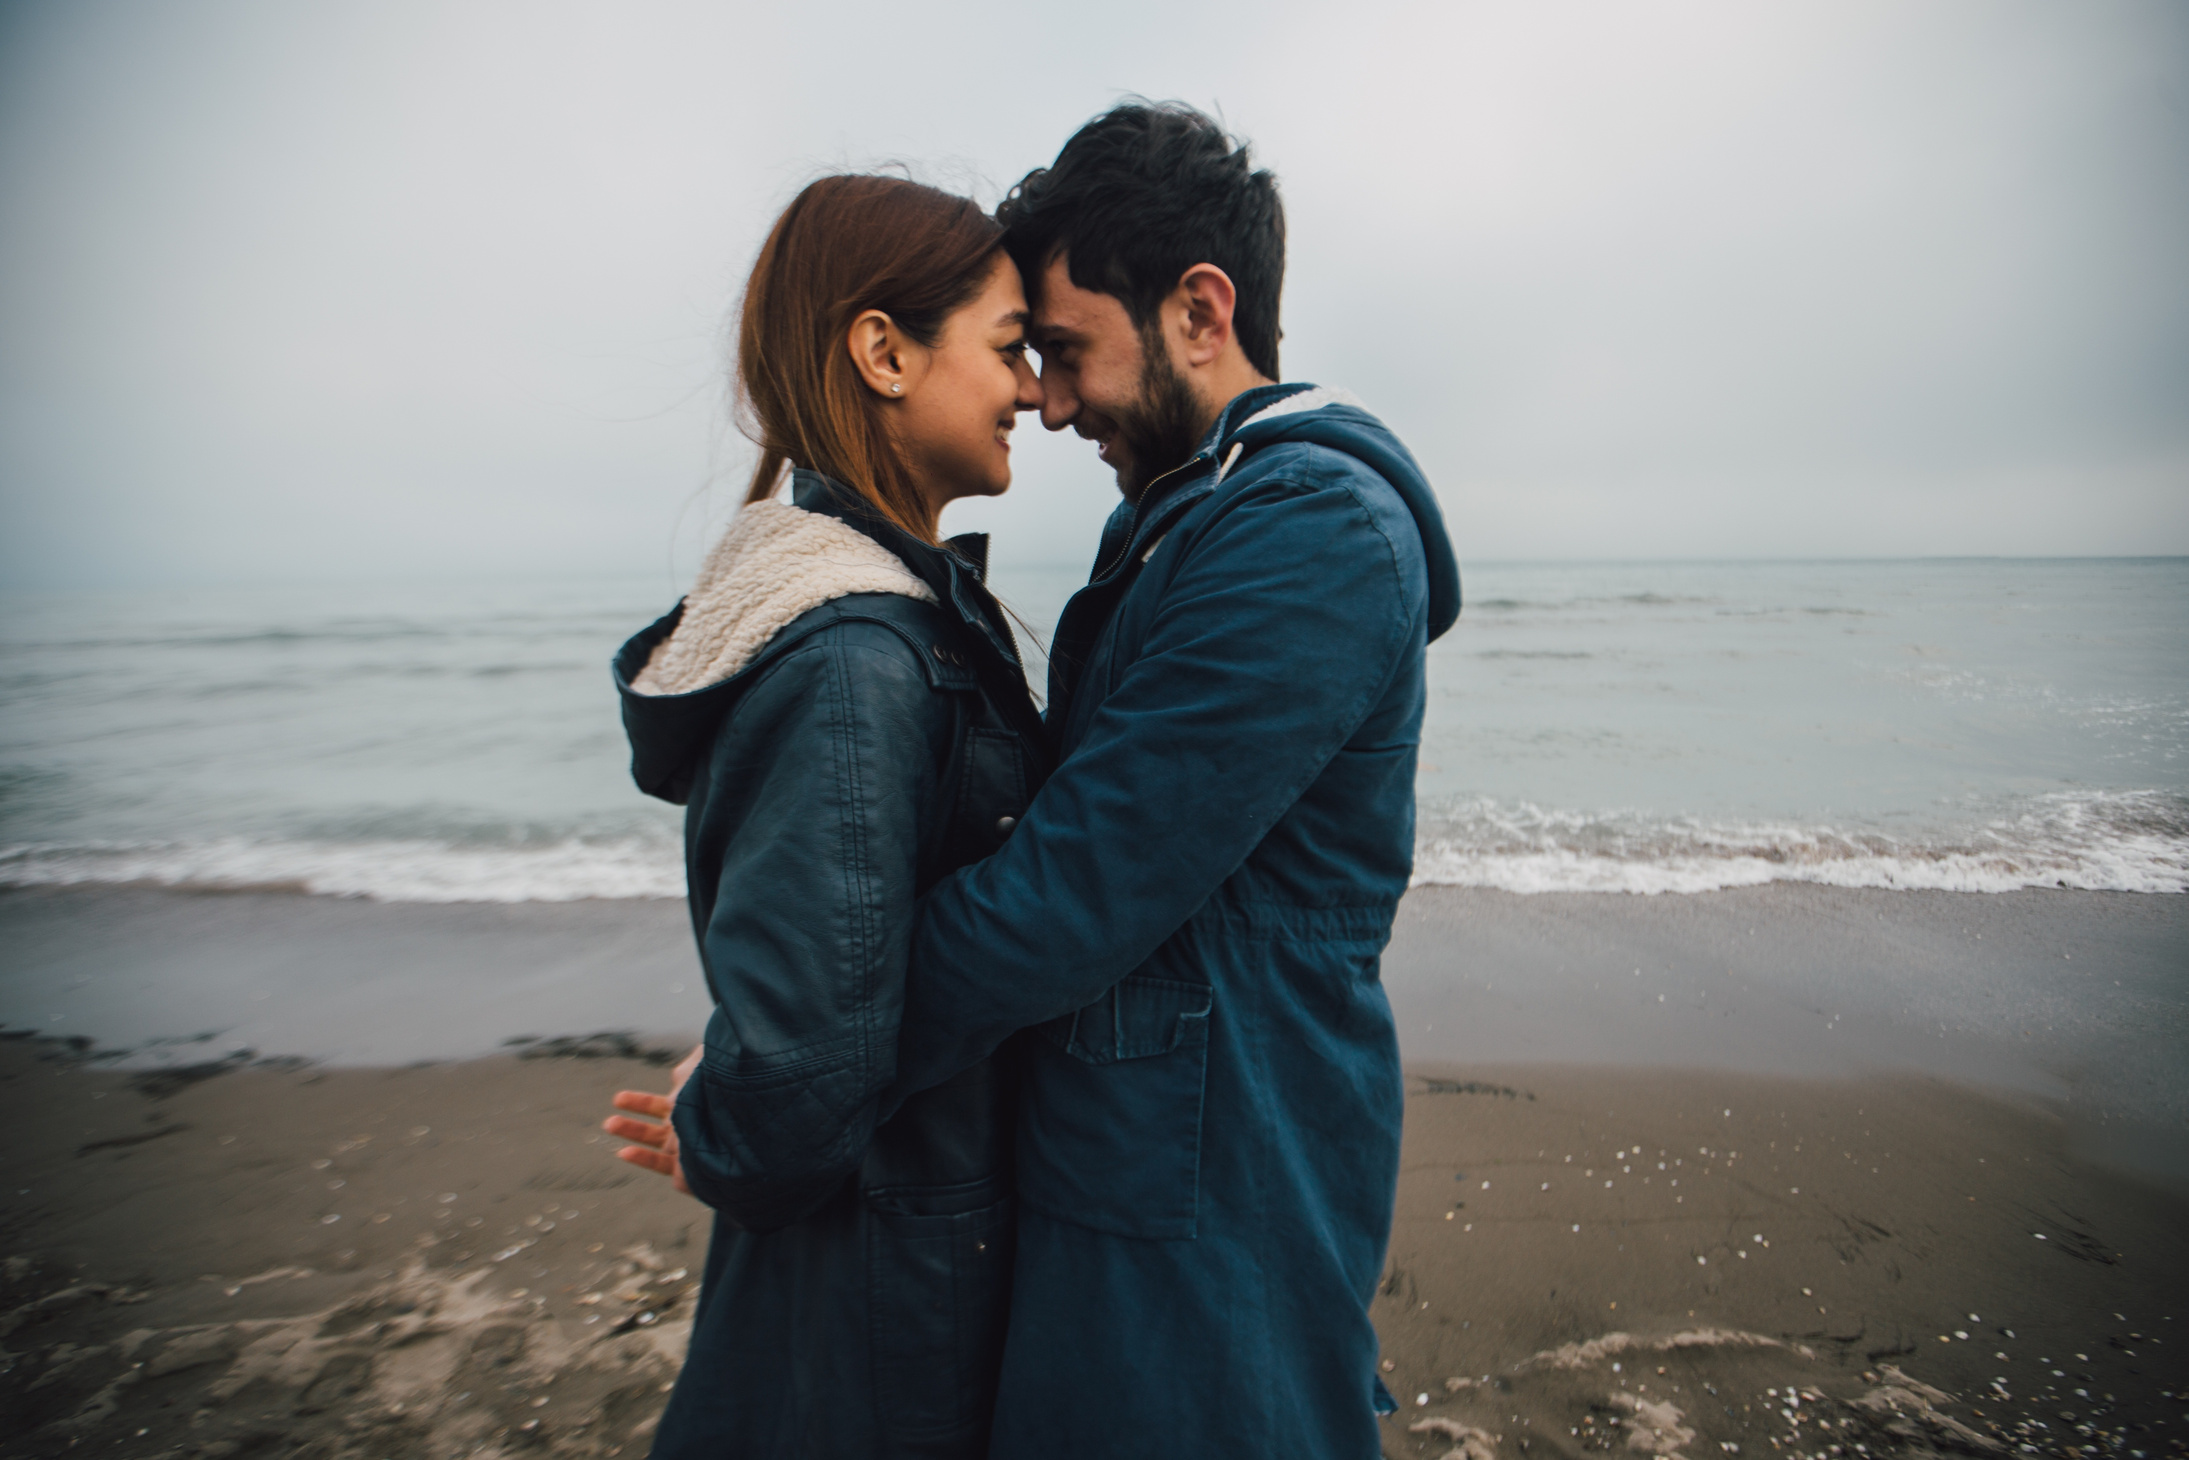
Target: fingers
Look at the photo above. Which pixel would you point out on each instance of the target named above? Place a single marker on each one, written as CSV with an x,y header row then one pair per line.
x,y
651,1160
656,1148
643,1131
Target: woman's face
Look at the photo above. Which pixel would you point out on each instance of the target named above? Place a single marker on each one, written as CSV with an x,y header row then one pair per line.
x,y
962,397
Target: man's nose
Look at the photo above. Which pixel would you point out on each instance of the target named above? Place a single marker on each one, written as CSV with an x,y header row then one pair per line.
x,y
1059,402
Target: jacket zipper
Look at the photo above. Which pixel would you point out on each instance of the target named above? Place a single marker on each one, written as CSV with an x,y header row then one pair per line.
x,y
1125,550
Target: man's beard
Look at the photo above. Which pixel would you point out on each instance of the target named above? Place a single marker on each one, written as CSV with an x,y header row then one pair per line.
x,y
1164,425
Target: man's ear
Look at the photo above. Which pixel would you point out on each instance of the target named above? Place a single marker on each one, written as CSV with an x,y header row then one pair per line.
x,y
1204,301
890,363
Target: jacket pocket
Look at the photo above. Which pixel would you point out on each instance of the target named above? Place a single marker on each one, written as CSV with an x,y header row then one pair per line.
x,y
939,1292
1110,1134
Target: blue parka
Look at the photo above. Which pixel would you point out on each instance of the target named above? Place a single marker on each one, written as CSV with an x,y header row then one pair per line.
x,y
853,1301
1190,920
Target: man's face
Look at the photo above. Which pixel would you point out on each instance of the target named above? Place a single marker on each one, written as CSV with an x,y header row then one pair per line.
x,y
1112,383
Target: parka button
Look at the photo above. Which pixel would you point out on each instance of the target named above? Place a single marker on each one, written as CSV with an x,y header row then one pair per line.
x,y
1004,825
945,655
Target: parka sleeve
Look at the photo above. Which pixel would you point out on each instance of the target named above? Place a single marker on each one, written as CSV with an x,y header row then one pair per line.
x,y
1278,632
830,768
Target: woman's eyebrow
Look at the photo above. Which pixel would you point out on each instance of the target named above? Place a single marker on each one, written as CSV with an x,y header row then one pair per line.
x,y
1019,317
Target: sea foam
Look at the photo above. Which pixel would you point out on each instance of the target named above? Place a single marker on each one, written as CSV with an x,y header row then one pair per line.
x,y
2094,841
386,871
2113,842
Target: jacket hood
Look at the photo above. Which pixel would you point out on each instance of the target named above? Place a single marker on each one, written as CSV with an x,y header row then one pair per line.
x,y
776,563
1329,417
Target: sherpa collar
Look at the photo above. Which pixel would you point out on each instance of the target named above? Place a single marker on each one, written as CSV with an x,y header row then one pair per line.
x,y
776,562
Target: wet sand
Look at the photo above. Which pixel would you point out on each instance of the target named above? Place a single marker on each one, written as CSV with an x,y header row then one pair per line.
x,y
2078,999
1857,1253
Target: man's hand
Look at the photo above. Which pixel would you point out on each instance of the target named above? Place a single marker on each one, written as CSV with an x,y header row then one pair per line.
x,y
656,1150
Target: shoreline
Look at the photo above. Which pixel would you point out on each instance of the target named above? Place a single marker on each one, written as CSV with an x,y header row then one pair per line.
x,y
2079,999
437,1258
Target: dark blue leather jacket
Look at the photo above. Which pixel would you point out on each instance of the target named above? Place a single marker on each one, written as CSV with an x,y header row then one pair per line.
x,y
856,1288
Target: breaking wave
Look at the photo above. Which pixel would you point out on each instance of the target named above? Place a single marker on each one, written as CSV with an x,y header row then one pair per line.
x,y
2116,842
400,870
2097,841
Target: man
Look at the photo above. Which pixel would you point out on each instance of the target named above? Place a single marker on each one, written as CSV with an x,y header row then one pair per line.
x,y
1189,919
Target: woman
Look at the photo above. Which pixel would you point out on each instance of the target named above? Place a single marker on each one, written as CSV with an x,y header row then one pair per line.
x,y
839,706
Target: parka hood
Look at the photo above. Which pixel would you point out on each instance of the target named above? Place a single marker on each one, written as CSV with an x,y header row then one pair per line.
x,y
1325,416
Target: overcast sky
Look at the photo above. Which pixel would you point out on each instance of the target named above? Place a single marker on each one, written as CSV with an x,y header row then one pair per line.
x,y
384,289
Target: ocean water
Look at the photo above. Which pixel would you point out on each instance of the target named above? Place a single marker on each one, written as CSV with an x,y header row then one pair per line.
x,y
1976,725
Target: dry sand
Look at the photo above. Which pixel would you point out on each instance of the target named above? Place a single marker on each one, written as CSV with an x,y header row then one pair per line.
x,y
445,1259
275,1261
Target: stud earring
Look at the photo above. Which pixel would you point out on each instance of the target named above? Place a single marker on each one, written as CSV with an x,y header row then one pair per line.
x,y
896,390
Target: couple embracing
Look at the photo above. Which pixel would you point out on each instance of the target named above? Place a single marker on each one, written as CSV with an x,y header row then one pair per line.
x,y
1050,1104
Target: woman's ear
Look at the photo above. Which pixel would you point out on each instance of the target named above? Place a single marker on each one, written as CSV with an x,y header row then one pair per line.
x,y
890,363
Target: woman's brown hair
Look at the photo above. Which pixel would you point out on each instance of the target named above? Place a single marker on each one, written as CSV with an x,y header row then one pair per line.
x,y
845,245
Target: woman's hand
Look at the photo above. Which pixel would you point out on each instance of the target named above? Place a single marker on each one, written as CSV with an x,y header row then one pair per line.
x,y
656,1150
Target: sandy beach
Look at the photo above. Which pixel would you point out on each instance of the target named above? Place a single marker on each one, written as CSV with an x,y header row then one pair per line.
x,y
1674,1252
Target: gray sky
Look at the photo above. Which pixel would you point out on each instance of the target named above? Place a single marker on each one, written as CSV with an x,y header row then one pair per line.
x,y
391,289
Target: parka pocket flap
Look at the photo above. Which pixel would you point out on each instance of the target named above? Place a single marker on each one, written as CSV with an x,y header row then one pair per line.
x,y
1137,1019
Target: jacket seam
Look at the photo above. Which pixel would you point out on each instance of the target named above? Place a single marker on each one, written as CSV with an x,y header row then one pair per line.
x,y
1342,481
844,731
781,1066
1246,484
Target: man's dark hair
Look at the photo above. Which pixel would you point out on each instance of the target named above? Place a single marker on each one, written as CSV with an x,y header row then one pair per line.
x,y
1141,194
